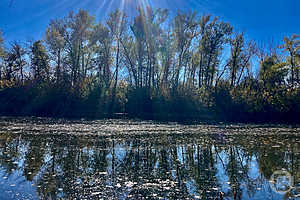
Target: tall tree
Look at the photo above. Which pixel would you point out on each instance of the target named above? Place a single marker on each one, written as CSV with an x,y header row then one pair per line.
x,y
40,62
2,53
79,29
199,60
102,44
117,24
240,57
185,30
139,31
213,38
167,60
292,46
15,63
55,39
237,45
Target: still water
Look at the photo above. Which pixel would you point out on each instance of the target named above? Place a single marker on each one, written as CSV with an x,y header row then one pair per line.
x,y
123,159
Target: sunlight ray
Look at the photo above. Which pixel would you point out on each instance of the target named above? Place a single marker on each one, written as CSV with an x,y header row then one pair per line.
x,y
101,6
144,4
122,9
108,10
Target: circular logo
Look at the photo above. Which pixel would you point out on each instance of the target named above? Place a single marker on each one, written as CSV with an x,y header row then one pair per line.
x,y
281,181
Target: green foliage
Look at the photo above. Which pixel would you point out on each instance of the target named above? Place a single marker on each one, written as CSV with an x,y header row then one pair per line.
x,y
40,62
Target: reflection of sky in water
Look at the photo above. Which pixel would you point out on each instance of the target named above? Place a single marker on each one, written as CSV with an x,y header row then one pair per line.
x,y
15,186
221,175
254,170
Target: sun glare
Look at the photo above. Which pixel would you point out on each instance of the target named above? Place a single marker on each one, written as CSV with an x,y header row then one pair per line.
x,y
129,7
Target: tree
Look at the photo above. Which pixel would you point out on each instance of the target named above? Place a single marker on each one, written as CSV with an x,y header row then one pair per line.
x,y
40,62
55,39
2,53
117,24
237,45
199,55
273,72
240,56
167,60
213,37
139,31
185,30
15,63
154,33
102,45
79,29
292,46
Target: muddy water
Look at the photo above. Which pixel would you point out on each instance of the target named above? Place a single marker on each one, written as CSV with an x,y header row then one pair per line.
x,y
125,159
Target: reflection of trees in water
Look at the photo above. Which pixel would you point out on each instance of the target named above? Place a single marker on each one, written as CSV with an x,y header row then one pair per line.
x,y
10,153
34,159
169,166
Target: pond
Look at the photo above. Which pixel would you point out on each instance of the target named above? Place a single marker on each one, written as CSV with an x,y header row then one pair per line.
x,y
44,158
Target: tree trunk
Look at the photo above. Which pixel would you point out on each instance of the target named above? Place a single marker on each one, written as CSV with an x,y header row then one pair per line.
x,y
58,67
293,69
112,104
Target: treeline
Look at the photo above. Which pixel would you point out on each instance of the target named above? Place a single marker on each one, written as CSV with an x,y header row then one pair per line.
x,y
187,67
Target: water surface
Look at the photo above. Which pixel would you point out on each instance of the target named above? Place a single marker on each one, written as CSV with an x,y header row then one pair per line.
x,y
125,159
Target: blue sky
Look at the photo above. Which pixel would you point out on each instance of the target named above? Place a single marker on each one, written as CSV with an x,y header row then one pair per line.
x,y
261,20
